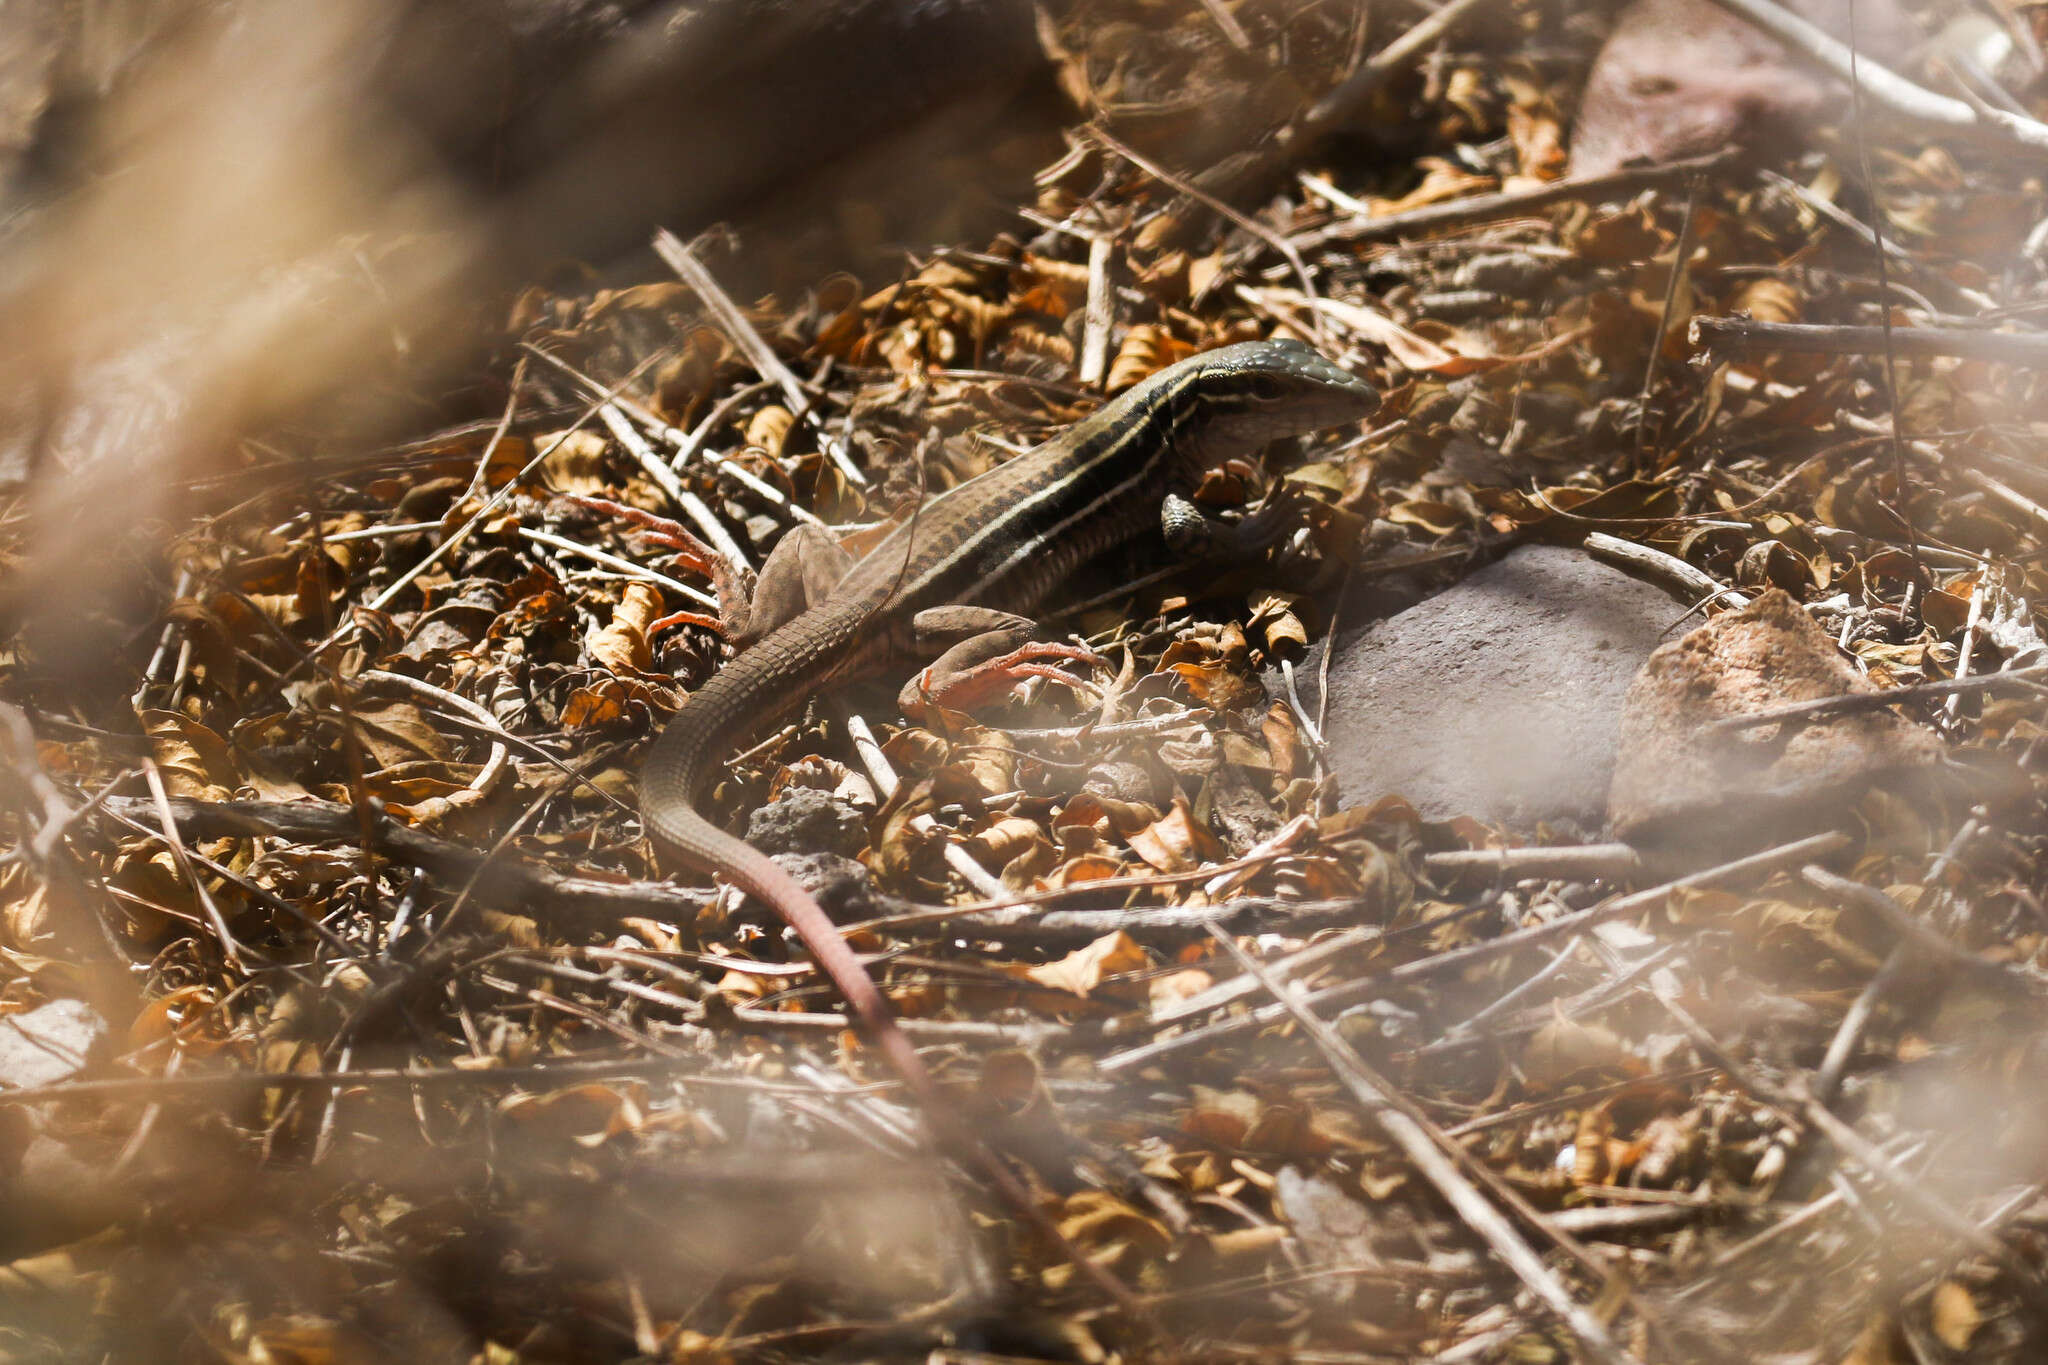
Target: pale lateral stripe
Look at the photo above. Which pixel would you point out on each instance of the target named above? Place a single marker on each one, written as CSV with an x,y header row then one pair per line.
x,y
1053,534
1111,452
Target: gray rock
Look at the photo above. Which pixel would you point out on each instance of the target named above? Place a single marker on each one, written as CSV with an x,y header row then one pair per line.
x,y
1499,698
806,820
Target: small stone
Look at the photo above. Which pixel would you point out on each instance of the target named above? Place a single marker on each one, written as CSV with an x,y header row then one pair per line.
x,y
1676,777
1499,697
806,820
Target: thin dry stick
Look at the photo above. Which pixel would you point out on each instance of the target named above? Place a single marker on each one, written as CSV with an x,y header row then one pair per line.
x,y
497,437
2024,678
2011,497
1725,337
1857,1148
1971,622
613,415
1913,932
1893,92
664,476
1281,969
883,774
1100,315
1678,263
1109,142
1227,23
500,757
1457,959
1481,208
1334,107
681,259
476,519
231,952
1414,1141
1693,582
688,443
624,566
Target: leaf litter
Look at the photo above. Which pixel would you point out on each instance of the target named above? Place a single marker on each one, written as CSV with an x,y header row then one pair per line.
x,y
471,1080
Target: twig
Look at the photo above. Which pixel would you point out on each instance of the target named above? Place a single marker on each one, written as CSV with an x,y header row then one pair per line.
x,y
624,566
500,756
1120,729
1458,959
476,519
1669,570
687,444
1710,1274
1683,253
1353,92
1416,1143
325,822
498,432
1859,1149
1100,314
1895,93
2011,497
1573,862
1902,494
1288,251
1911,931
681,259
2025,678
439,1078
173,632
231,952
49,813
1481,208
1827,1081
1833,212
1971,621
1226,22
1724,337
883,773
1281,969
659,470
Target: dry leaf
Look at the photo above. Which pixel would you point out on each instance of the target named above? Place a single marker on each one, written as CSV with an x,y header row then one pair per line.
x,y
1083,970
1956,1315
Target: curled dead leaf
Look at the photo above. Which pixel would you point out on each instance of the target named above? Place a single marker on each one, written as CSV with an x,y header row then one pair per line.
x,y
622,645
1085,970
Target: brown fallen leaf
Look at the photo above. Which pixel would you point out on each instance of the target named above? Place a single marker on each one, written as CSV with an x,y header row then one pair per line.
x,y
622,645
1085,969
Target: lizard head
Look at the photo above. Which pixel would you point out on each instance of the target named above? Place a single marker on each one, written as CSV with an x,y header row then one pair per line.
x,y
1261,391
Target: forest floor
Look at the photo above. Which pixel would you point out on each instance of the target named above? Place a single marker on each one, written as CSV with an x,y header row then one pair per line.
x,y
350,1014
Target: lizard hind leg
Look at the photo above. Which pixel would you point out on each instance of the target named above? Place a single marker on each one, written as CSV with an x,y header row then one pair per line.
x,y
800,572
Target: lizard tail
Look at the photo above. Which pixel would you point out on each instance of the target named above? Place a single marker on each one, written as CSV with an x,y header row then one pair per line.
x,y
671,783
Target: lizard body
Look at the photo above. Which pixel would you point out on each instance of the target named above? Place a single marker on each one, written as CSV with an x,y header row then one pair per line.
x,y
1001,542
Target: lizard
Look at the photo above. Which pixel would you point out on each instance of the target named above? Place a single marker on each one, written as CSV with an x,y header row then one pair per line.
x,y
950,582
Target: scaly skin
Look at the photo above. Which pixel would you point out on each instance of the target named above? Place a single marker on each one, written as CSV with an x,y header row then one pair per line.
x,y
1005,539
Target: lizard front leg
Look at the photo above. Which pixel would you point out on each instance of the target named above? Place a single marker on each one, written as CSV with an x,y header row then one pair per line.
x,y
1193,535
983,653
